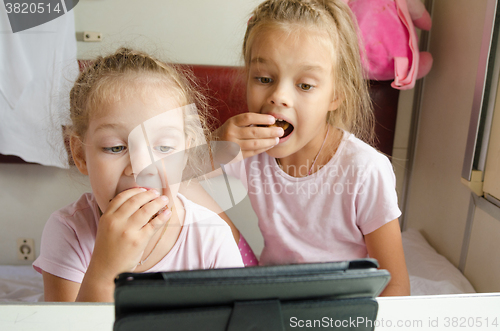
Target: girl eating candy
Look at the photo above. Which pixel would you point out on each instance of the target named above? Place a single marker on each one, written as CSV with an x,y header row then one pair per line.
x,y
320,192
133,121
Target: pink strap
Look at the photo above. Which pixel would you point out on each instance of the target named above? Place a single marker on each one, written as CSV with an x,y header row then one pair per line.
x,y
400,70
407,81
247,254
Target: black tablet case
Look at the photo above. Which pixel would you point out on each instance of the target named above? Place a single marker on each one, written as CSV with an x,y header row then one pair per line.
x,y
315,296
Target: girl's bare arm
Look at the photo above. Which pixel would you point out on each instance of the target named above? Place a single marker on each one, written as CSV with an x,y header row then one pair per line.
x,y
58,289
385,245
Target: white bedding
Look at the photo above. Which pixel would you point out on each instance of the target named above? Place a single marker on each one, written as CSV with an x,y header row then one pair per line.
x,y
20,283
430,273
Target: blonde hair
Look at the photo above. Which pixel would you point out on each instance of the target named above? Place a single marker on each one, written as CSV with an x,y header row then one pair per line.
x,y
105,79
355,113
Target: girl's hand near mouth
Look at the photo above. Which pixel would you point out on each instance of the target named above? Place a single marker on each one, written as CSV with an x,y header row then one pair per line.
x,y
253,132
123,233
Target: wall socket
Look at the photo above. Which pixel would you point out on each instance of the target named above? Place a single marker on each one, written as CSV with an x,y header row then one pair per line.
x,y
88,36
26,249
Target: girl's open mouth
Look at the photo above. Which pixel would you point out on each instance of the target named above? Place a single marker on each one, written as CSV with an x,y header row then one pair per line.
x,y
287,127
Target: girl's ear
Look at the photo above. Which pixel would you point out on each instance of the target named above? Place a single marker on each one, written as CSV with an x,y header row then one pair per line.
x,y
78,154
337,100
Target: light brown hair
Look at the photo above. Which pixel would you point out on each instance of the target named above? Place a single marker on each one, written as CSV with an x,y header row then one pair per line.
x,y
355,113
107,78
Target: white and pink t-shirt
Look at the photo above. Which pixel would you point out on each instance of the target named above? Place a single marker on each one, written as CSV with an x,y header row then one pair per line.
x,y
324,216
68,239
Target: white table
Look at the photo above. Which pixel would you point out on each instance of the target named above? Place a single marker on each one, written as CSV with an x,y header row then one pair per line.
x,y
442,312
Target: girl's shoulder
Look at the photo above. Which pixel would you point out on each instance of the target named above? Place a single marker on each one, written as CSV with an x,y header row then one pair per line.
x,y
356,151
74,223
85,202
83,210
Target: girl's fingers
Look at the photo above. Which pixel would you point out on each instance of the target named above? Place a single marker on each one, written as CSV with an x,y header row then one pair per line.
x,y
120,198
256,132
135,202
258,144
247,119
159,219
148,213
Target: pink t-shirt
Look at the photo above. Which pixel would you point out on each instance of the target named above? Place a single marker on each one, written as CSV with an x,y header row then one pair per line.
x,y
68,239
324,216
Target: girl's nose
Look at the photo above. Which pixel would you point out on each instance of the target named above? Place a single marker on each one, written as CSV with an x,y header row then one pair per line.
x,y
140,165
146,175
128,170
280,96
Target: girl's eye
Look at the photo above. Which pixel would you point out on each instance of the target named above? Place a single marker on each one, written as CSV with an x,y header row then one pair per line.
x,y
264,80
163,149
114,149
306,87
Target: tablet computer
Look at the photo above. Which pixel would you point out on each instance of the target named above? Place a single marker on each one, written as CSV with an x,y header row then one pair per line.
x,y
284,297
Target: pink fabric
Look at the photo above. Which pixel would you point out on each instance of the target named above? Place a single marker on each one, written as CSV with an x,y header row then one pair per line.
x,y
382,34
247,254
68,241
405,77
322,217
420,16
390,41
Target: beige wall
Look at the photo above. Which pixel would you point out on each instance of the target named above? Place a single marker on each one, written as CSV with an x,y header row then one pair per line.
x,y
189,31
483,258
438,201
29,194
